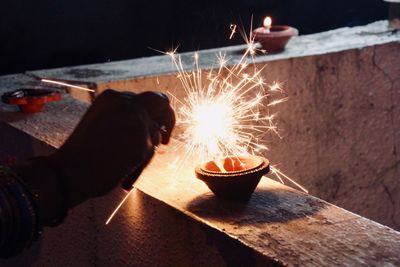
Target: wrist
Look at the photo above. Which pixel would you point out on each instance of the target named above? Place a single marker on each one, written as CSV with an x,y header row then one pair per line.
x,y
47,188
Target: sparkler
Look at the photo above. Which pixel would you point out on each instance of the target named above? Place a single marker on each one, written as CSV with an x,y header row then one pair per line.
x,y
222,115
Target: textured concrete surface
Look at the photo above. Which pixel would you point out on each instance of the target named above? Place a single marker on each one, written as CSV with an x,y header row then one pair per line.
x,y
341,135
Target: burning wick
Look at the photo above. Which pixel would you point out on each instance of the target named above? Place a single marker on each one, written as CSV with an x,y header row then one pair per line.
x,y
267,24
67,84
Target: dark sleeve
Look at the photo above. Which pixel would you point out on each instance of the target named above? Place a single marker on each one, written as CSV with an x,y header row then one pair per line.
x,y
19,224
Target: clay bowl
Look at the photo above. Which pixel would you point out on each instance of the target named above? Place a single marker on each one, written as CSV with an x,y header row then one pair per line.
x,y
276,39
240,179
31,100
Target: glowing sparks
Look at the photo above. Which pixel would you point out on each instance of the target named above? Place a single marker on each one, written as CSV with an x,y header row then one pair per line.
x,y
67,84
280,174
278,101
233,30
222,112
276,87
118,207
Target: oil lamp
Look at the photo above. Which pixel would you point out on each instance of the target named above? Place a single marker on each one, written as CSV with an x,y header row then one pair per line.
x,y
273,38
234,177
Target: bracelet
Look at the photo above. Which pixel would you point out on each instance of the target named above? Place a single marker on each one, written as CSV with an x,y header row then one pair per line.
x,y
19,220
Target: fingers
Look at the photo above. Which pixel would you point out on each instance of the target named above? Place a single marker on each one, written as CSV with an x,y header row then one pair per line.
x,y
155,134
156,105
167,125
158,108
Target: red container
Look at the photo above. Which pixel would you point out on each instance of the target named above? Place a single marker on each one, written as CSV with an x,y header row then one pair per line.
x,y
31,100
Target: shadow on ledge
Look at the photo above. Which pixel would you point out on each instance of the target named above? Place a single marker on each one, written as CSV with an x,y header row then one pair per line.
x,y
264,206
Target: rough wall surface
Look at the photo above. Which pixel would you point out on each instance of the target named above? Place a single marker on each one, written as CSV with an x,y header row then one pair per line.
x,y
341,128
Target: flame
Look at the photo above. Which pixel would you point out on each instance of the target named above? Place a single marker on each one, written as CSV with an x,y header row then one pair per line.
x,y
267,22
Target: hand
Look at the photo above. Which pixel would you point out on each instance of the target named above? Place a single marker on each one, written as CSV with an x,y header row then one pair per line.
x,y
116,136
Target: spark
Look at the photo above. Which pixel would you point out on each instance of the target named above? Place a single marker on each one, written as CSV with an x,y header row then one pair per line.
x,y
222,111
279,173
67,84
233,30
278,101
118,207
276,86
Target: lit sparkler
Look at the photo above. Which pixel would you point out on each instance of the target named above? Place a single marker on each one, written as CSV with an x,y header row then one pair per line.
x,y
233,30
222,115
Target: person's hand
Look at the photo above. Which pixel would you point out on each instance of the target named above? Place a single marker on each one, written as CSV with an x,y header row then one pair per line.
x,y
117,136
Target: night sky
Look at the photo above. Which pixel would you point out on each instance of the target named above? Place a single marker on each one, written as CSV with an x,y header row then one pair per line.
x,y
46,33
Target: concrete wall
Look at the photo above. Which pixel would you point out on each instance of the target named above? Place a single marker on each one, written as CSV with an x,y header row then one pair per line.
x,y
341,128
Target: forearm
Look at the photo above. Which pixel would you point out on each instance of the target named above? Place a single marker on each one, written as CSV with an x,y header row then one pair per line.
x,y
29,199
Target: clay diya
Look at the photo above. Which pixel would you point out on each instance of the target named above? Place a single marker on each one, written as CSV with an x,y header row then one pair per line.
x,y
235,178
273,38
31,100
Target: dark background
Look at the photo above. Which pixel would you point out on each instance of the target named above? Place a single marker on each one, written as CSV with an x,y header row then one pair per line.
x,y
37,34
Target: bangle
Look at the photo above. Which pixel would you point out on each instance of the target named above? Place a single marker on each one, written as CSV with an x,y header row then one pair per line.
x,y
19,218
